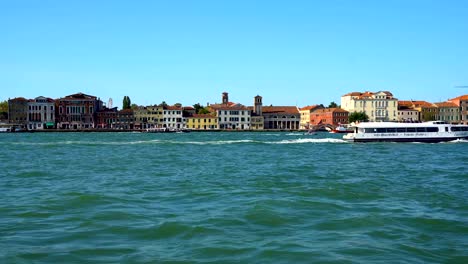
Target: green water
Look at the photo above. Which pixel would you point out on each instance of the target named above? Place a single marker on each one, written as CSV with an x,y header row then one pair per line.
x,y
230,198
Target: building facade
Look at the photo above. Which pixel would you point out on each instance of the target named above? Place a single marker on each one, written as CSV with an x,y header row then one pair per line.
x,y
281,117
125,120
77,111
41,113
257,120
449,112
231,116
202,122
379,106
329,116
106,118
306,118
149,117
18,112
462,103
173,118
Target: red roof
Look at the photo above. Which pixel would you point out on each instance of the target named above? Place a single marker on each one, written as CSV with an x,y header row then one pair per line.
x,y
280,109
202,116
330,110
446,104
309,107
462,98
173,108
78,96
19,99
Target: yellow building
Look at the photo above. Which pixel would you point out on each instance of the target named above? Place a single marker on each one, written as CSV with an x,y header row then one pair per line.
x,y
202,122
148,117
256,122
306,119
379,106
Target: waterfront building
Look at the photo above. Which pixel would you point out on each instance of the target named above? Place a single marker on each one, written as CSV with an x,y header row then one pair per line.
x,y
172,117
449,112
41,113
148,117
77,111
18,112
462,103
378,106
329,116
257,120
427,111
106,118
281,117
202,122
306,119
125,120
406,112
231,115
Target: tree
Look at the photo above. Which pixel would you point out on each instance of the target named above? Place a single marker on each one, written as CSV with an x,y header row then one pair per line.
x,y
126,103
163,104
358,116
332,105
4,110
199,109
134,106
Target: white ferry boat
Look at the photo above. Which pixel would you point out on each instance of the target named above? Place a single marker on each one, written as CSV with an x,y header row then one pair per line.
x,y
434,131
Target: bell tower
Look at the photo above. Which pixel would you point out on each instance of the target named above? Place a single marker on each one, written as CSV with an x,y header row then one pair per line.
x,y
225,98
258,105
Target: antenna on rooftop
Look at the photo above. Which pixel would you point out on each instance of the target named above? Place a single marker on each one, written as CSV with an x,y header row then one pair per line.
x,y
109,104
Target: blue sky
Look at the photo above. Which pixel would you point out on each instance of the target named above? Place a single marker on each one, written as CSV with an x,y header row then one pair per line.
x,y
289,52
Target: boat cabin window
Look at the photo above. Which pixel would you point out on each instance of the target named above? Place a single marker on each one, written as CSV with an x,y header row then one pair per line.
x,y
460,128
405,129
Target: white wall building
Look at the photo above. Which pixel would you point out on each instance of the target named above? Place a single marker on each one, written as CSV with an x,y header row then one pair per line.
x,y
41,113
173,118
233,117
379,106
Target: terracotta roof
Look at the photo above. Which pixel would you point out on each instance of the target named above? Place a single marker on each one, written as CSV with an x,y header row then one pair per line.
x,y
463,98
202,116
280,109
446,104
169,107
405,103
124,111
19,99
309,107
229,106
422,104
188,108
368,94
353,94
78,96
330,110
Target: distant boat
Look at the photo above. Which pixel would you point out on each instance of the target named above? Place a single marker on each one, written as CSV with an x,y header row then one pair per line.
x,y
340,129
166,130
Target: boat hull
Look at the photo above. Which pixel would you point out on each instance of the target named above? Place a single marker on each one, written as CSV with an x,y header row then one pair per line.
x,y
400,139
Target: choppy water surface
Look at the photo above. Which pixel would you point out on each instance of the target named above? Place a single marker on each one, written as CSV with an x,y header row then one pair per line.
x,y
230,198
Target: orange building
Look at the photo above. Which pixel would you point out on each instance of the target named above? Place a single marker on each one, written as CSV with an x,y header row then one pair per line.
x,y
329,116
462,102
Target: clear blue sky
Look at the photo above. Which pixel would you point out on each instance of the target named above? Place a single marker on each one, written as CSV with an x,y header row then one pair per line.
x,y
290,52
